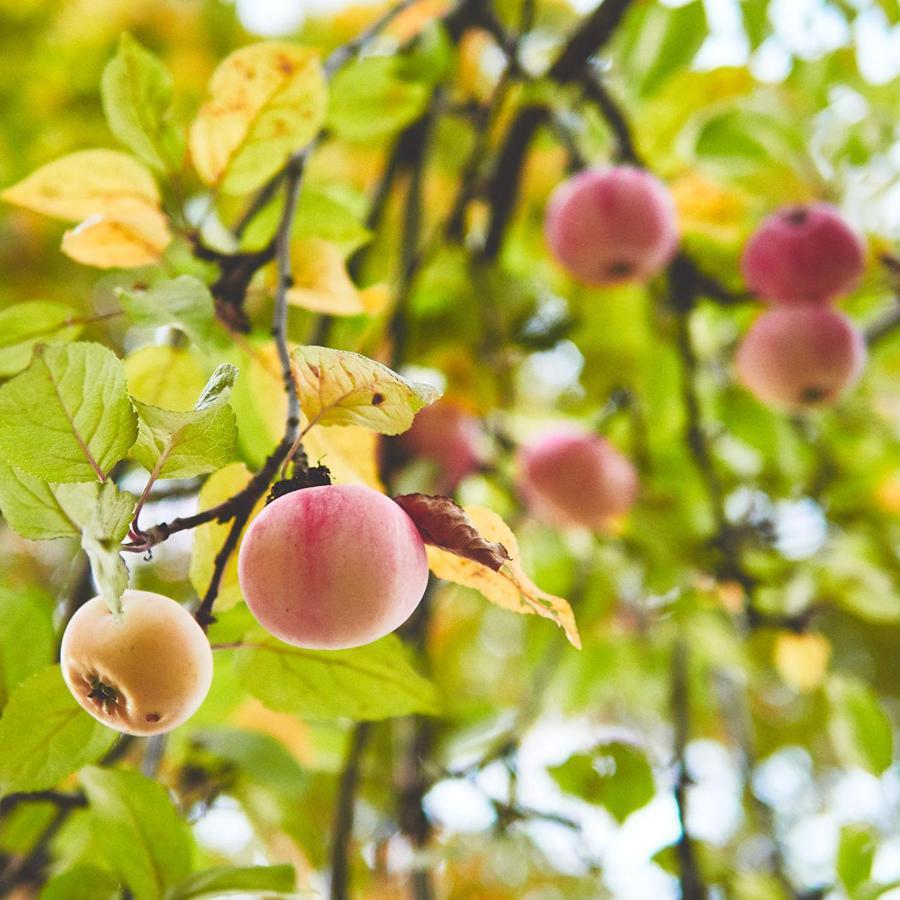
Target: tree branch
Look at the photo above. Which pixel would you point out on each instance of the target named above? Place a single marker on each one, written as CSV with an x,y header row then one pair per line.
x,y
345,811
692,885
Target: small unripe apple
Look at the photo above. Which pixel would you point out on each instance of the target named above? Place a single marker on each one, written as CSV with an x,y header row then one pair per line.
x,y
146,671
571,477
803,254
610,225
800,356
332,567
448,436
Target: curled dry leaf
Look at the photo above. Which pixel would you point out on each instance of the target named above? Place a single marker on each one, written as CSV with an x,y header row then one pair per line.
x,y
443,523
509,587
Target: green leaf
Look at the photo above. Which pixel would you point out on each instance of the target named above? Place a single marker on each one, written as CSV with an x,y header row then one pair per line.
x,y
82,883
24,325
372,682
23,613
859,727
67,417
338,387
270,880
145,839
164,376
856,853
183,302
328,212
32,508
371,100
184,444
616,776
41,511
137,92
756,20
659,40
45,735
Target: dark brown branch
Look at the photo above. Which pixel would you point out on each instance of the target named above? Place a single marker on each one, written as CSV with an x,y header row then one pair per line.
x,y
345,810
692,884
883,326
733,706
596,92
588,39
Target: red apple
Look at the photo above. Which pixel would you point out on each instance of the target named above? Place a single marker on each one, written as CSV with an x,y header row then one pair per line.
x,y
571,477
803,254
801,356
610,225
332,567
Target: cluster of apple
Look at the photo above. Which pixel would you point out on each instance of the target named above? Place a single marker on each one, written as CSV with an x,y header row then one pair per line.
x,y
610,225
343,565
321,568
802,353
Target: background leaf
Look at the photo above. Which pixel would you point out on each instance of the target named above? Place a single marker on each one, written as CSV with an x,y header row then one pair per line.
x,y
67,417
45,735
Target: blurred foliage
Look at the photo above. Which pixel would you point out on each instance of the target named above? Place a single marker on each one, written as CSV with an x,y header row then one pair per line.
x,y
539,761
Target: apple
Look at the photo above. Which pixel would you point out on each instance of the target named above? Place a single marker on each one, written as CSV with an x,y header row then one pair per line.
x,y
795,357
332,567
448,436
611,225
803,254
570,477
143,672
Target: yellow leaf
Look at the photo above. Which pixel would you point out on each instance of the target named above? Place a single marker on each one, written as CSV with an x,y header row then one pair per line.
x,y
338,387
375,298
266,101
85,184
208,539
510,587
288,730
163,376
321,283
802,659
111,242
350,453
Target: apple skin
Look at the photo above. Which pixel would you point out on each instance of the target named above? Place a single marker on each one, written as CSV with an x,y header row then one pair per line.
x,y
155,659
611,225
803,254
799,357
570,477
445,434
327,568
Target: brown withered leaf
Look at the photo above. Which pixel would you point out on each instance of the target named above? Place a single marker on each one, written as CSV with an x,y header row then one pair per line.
x,y
443,523
508,587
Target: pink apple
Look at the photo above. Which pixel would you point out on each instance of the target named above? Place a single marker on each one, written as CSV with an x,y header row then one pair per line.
x,y
332,567
448,436
803,254
572,477
800,356
610,225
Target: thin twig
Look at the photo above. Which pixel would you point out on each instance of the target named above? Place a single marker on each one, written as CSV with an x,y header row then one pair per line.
x,y
344,812
692,884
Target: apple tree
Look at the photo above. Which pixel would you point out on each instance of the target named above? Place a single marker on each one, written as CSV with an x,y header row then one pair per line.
x,y
449,448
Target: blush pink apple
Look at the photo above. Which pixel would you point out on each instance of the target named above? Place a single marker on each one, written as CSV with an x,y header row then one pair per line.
x,y
571,477
143,672
800,356
332,567
610,225
448,436
803,254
